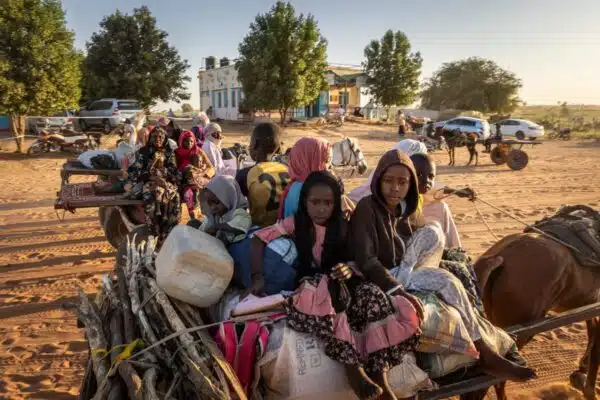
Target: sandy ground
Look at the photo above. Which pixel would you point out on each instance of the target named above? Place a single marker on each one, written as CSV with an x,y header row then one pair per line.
x,y
44,259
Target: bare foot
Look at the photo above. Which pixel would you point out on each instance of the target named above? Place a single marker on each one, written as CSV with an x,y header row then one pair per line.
x,y
494,364
380,378
362,385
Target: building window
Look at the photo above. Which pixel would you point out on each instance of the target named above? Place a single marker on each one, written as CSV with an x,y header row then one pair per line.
x,y
219,104
233,98
241,94
331,98
225,98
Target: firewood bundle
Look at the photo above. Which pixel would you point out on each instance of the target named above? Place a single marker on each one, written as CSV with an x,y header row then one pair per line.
x,y
146,345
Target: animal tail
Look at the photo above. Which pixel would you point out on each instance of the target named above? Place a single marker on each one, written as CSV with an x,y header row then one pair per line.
x,y
484,268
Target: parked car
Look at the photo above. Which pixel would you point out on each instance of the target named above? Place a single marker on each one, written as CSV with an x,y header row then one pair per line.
x,y
521,129
108,113
467,124
62,120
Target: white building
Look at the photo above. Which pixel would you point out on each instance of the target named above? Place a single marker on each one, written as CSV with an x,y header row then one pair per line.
x,y
220,88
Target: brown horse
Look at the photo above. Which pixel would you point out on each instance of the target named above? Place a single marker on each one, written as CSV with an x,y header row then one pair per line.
x,y
535,275
455,138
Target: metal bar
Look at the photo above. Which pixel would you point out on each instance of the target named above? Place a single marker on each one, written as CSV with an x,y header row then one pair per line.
x,y
466,386
565,318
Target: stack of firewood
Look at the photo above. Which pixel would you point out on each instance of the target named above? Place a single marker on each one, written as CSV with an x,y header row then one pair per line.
x,y
146,345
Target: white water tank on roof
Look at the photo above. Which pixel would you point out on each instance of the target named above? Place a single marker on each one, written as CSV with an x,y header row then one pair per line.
x,y
193,266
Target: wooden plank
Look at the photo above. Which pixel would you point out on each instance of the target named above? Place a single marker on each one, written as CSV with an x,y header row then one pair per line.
x,y
462,387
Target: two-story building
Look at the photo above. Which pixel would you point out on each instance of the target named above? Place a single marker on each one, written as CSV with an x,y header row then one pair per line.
x,y
220,88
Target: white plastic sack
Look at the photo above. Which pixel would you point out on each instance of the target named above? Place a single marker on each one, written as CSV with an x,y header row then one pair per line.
x,y
299,369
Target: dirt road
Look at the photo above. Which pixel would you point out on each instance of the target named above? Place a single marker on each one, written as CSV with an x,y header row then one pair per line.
x,y
44,259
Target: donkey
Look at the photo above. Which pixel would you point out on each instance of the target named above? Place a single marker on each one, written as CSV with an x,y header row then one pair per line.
x,y
456,138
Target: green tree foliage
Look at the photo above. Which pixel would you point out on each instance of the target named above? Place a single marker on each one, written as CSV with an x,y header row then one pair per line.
x,y
130,58
39,67
282,61
392,70
187,108
472,84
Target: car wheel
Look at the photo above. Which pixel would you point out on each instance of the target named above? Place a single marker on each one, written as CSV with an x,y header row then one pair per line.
x,y
106,128
520,135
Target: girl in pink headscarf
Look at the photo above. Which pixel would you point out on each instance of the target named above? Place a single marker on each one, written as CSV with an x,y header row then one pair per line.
x,y
309,154
196,169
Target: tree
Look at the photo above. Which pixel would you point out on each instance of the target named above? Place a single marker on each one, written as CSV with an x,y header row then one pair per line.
x,y
39,67
282,61
187,108
130,58
472,84
392,70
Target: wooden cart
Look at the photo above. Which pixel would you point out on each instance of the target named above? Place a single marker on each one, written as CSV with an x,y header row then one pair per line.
x,y
504,153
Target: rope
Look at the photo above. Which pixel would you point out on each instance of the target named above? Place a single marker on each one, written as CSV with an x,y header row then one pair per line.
x,y
533,228
485,222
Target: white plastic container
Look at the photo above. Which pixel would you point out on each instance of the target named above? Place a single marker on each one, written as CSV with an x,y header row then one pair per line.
x,y
193,266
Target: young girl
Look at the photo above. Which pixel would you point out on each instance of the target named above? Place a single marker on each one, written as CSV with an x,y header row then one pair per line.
x,y
156,169
360,326
196,169
227,217
309,154
384,258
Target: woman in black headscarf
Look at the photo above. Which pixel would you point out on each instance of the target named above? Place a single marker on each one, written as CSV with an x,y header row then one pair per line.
x,y
155,170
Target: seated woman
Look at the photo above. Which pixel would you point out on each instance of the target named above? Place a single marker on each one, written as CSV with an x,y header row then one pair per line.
x,y
212,147
155,173
408,147
434,209
200,123
196,169
378,248
353,317
226,216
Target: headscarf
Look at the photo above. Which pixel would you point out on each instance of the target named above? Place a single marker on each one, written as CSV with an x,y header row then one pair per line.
x,y
308,154
209,130
406,146
182,154
390,158
228,192
162,122
150,148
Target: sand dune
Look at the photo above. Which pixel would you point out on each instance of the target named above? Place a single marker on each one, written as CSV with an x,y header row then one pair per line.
x,y
44,259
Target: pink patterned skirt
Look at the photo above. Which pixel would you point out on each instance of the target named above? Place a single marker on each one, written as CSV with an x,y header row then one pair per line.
x,y
373,329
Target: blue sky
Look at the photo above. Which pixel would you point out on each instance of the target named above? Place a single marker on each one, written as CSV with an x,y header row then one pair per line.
x,y
552,45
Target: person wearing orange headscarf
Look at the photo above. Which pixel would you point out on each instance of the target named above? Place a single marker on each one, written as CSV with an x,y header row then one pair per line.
x,y
309,154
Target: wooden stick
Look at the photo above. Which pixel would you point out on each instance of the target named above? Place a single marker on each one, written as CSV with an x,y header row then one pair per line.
x,y
88,384
149,385
185,339
129,331
88,314
174,385
226,373
132,380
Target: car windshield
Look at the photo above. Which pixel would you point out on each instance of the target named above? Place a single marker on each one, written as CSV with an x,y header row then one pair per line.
x,y
129,105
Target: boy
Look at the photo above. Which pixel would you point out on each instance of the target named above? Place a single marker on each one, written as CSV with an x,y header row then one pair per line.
x,y
264,182
434,209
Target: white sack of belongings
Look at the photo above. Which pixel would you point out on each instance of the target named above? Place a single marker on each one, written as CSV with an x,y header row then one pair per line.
x,y
299,369
193,266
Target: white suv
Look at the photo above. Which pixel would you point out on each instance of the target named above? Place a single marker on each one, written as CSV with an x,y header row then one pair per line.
x,y
469,124
108,113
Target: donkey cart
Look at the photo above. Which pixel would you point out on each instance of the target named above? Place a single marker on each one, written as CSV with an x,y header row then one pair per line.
x,y
504,153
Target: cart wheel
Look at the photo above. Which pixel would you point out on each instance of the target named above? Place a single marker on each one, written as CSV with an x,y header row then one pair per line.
x,y
498,156
517,159
113,226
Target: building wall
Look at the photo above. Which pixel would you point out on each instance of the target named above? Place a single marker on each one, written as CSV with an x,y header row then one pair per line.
x,y
220,88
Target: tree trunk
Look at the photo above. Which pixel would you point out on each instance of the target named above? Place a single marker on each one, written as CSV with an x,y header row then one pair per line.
x,y
17,128
283,113
387,114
